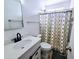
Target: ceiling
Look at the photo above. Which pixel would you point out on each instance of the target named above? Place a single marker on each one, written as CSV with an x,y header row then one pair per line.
x,y
31,7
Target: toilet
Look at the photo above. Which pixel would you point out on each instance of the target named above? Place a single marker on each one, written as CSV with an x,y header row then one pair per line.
x,y
45,50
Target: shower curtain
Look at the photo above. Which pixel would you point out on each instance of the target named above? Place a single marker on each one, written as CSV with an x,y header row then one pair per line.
x,y
54,28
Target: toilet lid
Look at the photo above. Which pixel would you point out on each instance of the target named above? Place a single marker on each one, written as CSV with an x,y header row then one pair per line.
x,y
45,45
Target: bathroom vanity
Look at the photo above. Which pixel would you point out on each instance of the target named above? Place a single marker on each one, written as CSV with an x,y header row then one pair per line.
x,y
27,48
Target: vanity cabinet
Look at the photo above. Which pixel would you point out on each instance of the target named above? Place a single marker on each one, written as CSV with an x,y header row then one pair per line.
x,y
37,54
33,53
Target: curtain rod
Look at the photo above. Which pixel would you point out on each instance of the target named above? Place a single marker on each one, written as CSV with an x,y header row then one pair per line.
x,y
64,11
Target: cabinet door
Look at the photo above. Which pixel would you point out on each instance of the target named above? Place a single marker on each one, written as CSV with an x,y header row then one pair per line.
x,y
30,52
37,54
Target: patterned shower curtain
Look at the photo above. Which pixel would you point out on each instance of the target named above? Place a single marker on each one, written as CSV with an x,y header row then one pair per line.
x,y
54,28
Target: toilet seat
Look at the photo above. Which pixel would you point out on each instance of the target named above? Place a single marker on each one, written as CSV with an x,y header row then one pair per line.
x,y
45,46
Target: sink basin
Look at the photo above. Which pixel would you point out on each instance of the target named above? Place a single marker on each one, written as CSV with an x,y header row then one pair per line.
x,y
22,44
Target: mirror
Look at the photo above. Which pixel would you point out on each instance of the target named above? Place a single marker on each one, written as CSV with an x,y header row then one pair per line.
x,y
13,16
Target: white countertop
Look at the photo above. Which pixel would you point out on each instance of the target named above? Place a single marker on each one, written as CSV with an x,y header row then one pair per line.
x,y
11,53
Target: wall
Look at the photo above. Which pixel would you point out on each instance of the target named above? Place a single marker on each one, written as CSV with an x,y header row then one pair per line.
x,y
28,14
33,26
71,44
12,11
72,4
64,5
31,7
28,29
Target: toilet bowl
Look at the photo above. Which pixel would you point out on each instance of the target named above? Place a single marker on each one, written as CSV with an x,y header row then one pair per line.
x,y
45,46
45,50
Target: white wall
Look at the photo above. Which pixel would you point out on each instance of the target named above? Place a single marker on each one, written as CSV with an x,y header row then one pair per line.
x,y
12,10
32,7
65,4
71,44
32,27
28,29
28,14
72,4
